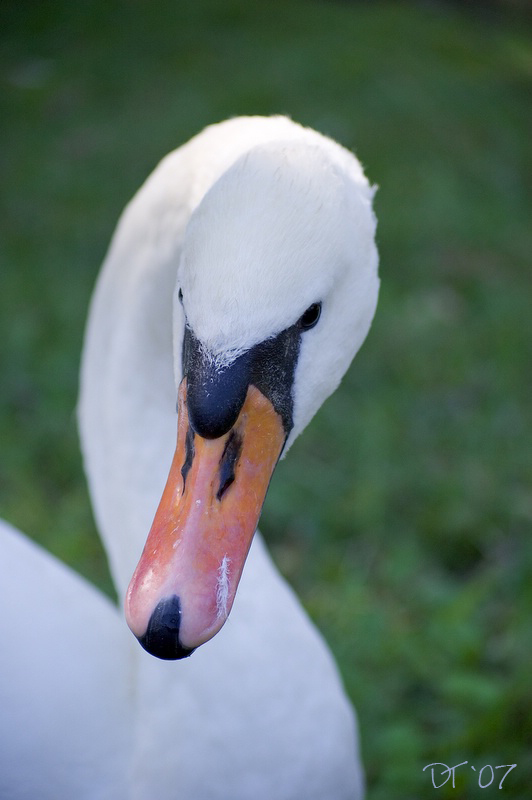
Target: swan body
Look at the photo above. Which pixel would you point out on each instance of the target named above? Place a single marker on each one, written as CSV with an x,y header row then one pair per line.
x,y
234,237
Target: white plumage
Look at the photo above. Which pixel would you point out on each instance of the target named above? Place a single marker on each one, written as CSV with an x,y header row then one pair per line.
x,y
253,220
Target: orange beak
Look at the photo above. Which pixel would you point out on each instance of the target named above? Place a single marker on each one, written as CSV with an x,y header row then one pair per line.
x,y
184,585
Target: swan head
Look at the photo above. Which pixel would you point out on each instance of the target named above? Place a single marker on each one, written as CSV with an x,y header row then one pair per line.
x,y
285,228
276,289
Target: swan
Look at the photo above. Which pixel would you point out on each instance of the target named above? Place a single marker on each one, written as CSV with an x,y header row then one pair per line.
x,y
241,280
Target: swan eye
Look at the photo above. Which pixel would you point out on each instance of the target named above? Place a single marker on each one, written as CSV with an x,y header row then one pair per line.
x,y
310,317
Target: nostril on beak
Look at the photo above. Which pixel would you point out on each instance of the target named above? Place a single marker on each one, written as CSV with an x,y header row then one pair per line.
x,y
162,634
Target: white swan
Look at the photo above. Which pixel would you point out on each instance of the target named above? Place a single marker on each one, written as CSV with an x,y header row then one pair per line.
x,y
270,232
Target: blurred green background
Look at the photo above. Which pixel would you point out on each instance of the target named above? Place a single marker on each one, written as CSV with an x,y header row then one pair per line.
x,y
403,515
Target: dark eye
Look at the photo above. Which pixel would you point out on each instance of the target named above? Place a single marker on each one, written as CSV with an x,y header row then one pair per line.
x,y
180,296
310,317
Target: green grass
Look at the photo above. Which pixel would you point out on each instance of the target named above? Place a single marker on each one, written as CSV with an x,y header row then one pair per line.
x,y
403,516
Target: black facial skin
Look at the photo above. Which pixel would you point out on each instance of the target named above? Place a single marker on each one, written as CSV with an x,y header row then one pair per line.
x,y
215,396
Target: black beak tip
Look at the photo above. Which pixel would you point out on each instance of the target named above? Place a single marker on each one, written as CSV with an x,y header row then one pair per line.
x,y
162,634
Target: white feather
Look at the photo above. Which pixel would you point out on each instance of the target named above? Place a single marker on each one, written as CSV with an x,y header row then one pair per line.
x,y
222,591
